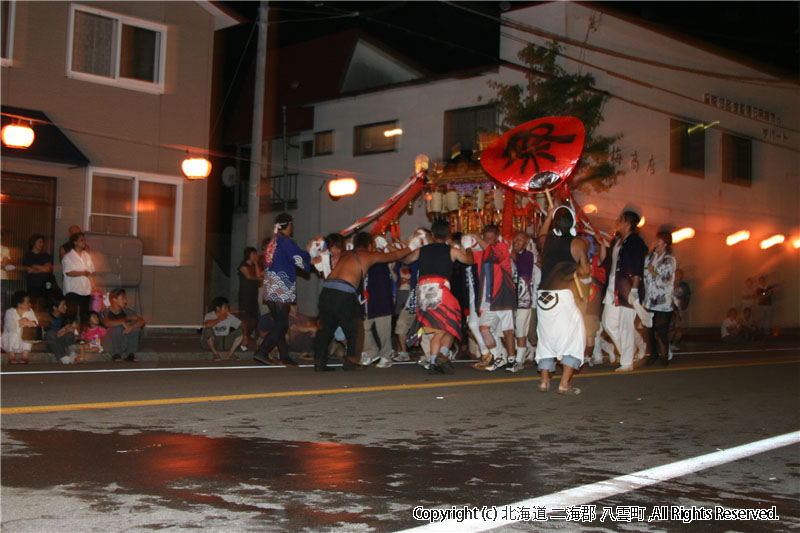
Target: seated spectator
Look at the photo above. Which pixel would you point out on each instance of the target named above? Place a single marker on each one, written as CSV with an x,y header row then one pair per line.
x,y
731,332
302,329
222,330
92,337
124,327
62,337
747,325
18,317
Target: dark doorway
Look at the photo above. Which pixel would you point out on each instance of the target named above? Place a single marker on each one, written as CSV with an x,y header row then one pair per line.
x,y
27,206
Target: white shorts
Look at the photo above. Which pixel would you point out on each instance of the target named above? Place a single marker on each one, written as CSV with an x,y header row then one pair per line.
x,y
522,322
560,326
498,321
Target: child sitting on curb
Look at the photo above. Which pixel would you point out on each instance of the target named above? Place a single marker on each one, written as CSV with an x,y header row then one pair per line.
x,y
222,330
92,337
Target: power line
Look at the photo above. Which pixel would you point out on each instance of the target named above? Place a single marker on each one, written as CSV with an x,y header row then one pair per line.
x,y
567,40
233,78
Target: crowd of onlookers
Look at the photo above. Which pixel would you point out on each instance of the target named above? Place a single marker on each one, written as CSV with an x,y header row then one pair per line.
x,y
74,318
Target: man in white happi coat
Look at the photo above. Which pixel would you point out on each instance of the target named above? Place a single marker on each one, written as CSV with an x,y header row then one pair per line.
x,y
625,288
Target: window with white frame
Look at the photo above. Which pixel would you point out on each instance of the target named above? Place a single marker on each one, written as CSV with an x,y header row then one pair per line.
x,y
145,205
114,49
6,32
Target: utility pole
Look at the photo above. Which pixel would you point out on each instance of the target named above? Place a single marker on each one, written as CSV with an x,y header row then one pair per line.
x,y
253,201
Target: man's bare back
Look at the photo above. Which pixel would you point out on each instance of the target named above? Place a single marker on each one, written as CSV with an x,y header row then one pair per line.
x,y
349,269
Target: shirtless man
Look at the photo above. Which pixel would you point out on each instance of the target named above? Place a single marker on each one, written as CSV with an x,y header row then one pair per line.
x,y
560,327
338,301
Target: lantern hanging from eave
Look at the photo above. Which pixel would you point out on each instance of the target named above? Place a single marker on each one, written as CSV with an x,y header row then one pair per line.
x,y
17,135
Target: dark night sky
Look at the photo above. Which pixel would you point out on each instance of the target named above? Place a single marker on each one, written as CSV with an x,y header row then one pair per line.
x,y
442,37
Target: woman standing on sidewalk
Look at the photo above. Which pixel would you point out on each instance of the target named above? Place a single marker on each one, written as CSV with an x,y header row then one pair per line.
x,y
78,271
249,281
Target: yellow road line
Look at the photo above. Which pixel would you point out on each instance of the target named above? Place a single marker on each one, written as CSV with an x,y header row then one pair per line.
x,y
353,390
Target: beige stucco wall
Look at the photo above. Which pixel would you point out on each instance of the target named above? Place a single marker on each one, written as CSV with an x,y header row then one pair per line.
x,y
124,129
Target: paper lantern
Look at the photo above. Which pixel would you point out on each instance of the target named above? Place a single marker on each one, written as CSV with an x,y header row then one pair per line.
x,y
196,168
772,241
342,187
478,198
682,235
737,237
17,135
497,196
451,200
436,202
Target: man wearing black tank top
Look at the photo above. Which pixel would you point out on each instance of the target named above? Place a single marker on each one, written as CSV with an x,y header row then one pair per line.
x,y
437,308
560,327
338,301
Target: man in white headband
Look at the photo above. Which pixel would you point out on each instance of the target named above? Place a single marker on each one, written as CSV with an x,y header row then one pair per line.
x,y
560,327
282,258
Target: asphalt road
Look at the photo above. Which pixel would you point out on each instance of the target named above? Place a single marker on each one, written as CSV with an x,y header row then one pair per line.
x,y
241,448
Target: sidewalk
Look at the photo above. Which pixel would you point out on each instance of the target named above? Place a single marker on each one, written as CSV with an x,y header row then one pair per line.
x,y
155,345
184,345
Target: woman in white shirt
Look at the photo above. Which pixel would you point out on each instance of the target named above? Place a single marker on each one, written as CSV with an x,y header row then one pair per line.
x,y
78,271
16,318
659,282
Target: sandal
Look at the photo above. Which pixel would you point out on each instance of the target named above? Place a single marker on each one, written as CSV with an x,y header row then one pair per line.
x,y
572,391
217,357
544,387
13,361
233,357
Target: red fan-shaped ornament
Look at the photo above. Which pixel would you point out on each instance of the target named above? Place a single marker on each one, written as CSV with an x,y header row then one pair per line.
x,y
536,156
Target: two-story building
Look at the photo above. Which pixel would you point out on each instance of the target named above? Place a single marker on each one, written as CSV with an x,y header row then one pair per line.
x,y
118,94
708,142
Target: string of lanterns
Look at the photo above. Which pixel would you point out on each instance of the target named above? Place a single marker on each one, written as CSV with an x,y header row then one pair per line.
x,y
19,134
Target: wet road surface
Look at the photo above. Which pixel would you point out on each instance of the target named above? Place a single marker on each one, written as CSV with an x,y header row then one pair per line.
x,y
362,460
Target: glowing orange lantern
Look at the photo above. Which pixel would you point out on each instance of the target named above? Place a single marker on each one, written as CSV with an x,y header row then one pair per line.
x,y
17,135
196,168
739,236
342,187
772,241
682,235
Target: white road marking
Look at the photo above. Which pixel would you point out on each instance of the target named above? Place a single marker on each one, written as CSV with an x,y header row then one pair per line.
x,y
605,489
760,350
